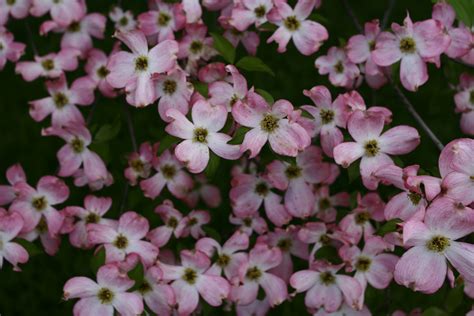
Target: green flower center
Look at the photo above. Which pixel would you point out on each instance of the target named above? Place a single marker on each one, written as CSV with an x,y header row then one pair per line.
x,y
141,63
253,274
11,2
233,100
42,226
1,46
339,67
192,221
47,64
438,244
172,222
39,203
247,221
372,45
324,204
327,278
74,27
105,295
92,218
371,148
77,145
415,198
293,172
471,97
362,217
102,72
163,19
169,86
168,171
137,165
123,21
223,260
189,276
327,116
363,264
284,244
121,242
261,189
260,11
324,239
407,45
196,47
269,123
144,288
291,23
60,100
200,135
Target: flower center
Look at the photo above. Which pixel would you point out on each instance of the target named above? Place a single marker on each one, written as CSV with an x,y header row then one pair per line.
x,y
247,221
137,165
77,145
324,204
144,288
371,148
189,276
168,171
327,278
60,100
42,226
74,27
47,64
200,135
362,217
292,23
438,244
363,264
233,100
372,45
415,198
1,243
284,244
141,63
324,239
172,222
169,86
39,203
123,21
339,67
121,242
471,97
196,47
163,19
11,2
269,123
327,116
260,11
192,221
293,172
92,218
407,45
223,260
105,295
253,273
102,72
261,189
1,46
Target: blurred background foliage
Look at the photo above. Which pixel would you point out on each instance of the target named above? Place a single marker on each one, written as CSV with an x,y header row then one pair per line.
x,y
37,290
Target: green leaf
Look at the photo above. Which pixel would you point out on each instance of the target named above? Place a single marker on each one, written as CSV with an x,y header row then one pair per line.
x,y
464,11
202,88
224,47
212,165
267,26
251,63
454,298
328,253
166,143
239,135
389,227
434,311
108,132
267,96
137,273
211,232
98,260
30,247
353,172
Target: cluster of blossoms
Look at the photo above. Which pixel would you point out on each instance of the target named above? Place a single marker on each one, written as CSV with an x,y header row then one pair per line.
x,y
284,209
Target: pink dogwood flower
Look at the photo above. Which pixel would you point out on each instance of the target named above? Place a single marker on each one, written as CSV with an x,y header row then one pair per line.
x,y
327,116
135,71
62,12
464,100
423,267
15,174
201,135
192,279
342,71
269,123
124,238
325,204
320,235
32,204
192,223
171,217
174,92
75,153
249,225
140,163
254,273
124,20
228,94
49,66
413,44
365,128
109,293
202,190
61,104
195,46
229,255
9,50
92,212
49,242
250,12
160,24
10,227
325,288
18,9
170,173
294,24
249,39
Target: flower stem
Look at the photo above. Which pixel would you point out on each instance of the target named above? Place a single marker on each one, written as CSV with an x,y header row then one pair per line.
x,y
131,129
30,38
388,12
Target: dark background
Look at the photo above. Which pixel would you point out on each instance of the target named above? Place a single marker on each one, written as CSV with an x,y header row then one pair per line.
x,y
37,289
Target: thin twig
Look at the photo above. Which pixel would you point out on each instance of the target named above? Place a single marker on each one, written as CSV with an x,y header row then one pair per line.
x,y
124,197
91,112
131,130
353,16
388,12
30,38
416,116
